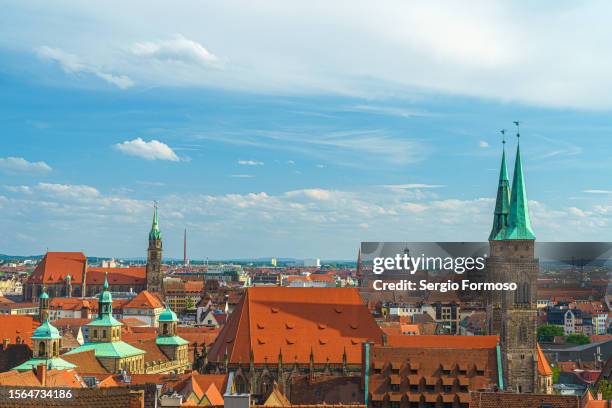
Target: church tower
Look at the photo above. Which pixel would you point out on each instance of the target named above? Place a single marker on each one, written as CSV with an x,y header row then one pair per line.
x,y
512,314
154,257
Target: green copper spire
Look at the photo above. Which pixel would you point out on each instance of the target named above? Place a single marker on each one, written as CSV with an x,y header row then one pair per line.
x,y
105,301
502,203
155,232
519,224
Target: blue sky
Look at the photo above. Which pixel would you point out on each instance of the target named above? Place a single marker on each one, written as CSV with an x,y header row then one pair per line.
x,y
300,131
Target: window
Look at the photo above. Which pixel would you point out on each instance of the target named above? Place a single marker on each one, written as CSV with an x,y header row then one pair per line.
x,y
95,334
42,348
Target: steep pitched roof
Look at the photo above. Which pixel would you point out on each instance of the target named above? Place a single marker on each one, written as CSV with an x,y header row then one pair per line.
x,y
543,366
144,300
294,322
519,223
502,203
55,266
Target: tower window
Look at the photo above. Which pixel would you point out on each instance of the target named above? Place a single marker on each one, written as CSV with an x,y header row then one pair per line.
x,y
42,348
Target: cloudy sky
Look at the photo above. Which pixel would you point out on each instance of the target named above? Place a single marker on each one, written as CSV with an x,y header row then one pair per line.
x,y
274,128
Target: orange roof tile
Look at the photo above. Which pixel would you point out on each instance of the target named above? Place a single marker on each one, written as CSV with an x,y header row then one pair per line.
x,y
55,266
17,326
135,275
543,366
296,321
444,341
86,362
144,300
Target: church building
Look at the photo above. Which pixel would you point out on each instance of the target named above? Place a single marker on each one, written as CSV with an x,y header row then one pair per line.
x,y
513,314
67,274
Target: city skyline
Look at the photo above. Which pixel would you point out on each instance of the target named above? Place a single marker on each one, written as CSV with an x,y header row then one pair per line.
x,y
259,156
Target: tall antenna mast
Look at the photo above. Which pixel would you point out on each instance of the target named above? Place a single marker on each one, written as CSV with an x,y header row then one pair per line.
x,y
185,250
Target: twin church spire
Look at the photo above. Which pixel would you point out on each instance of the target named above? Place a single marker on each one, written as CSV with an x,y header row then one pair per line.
x,y
511,217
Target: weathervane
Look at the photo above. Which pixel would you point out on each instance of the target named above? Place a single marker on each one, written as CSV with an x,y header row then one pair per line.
x,y
503,132
518,130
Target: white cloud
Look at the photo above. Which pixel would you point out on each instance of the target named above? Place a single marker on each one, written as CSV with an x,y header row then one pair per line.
x,y
68,190
597,191
19,165
178,49
412,186
483,144
72,64
250,163
152,150
439,46
242,176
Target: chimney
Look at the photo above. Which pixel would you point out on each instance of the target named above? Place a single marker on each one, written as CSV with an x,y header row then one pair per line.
x,y
41,374
599,396
5,343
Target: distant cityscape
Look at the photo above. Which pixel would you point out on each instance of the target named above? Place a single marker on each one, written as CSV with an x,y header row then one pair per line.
x,y
305,332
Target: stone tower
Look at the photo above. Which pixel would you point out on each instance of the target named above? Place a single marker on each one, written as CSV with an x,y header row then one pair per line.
x,y
154,258
512,314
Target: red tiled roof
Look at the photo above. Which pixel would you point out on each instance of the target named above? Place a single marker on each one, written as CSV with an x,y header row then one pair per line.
x,y
86,362
135,275
55,266
295,321
13,326
144,300
444,341
543,366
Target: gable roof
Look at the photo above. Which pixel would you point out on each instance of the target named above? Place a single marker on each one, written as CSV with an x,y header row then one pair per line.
x,y
296,321
144,300
55,266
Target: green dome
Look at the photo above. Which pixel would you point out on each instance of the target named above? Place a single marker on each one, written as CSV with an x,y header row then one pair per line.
x,y
44,296
46,331
168,316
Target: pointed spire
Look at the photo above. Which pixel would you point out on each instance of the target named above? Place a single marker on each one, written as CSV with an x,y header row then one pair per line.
x,y
155,232
519,223
502,203
105,286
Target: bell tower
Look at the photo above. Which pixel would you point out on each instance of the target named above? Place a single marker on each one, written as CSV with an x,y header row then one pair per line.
x,y
154,257
513,314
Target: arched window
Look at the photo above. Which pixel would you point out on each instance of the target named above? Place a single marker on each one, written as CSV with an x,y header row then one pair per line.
x,y
165,329
55,351
42,348
104,334
95,334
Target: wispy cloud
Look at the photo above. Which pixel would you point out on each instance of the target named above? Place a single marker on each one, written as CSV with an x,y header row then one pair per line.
x,y
413,186
152,150
72,64
242,176
250,163
19,165
483,144
597,191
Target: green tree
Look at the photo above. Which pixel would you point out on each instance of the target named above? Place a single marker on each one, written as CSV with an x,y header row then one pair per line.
x,y
605,388
577,338
555,378
548,332
189,304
